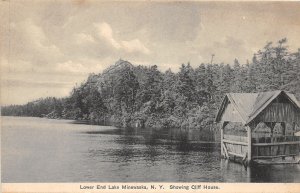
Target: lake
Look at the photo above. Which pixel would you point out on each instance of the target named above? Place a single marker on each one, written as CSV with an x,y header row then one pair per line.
x,y
44,150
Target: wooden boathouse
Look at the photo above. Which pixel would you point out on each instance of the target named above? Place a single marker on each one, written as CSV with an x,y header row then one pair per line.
x,y
260,127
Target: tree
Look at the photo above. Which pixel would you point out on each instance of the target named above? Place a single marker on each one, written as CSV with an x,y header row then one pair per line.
x,y
189,99
125,89
236,84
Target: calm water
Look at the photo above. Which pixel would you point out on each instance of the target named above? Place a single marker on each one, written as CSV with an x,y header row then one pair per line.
x,y
43,150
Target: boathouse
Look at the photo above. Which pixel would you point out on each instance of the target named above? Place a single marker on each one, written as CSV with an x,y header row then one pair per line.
x,y
259,127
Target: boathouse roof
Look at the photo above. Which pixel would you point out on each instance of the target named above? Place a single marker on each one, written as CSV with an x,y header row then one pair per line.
x,y
247,106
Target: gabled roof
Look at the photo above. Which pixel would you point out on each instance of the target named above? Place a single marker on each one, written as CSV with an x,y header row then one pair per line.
x,y
249,105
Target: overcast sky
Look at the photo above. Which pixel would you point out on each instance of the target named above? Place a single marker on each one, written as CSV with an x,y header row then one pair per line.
x,y
48,46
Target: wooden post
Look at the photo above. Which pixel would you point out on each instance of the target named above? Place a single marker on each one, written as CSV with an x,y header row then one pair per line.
x,y
249,135
222,137
223,124
283,125
294,128
271,125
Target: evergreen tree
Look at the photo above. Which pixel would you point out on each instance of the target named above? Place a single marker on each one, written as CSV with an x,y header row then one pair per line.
x,y
237,81
124,94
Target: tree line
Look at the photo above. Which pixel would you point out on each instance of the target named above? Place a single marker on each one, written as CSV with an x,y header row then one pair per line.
x,y
125,95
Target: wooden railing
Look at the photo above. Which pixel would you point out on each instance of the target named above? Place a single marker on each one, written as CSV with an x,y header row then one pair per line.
x,y
263,147
236,145
277,146
235,138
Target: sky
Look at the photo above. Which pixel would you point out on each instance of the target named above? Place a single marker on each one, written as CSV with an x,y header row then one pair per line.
x,y
48,47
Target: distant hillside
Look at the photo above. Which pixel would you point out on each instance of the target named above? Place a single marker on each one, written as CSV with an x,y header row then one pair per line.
x,y
128,95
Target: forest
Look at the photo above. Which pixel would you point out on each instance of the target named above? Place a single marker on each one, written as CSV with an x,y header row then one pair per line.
x,y
126,95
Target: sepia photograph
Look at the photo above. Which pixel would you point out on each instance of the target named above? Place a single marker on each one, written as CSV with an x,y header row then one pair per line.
x,y
150,92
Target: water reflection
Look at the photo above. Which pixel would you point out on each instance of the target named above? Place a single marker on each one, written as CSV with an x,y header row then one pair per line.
x,y
234,171
189,156
76,152
269,173
260,173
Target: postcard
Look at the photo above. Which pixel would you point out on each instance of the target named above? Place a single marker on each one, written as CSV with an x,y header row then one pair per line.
x,y
150,96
